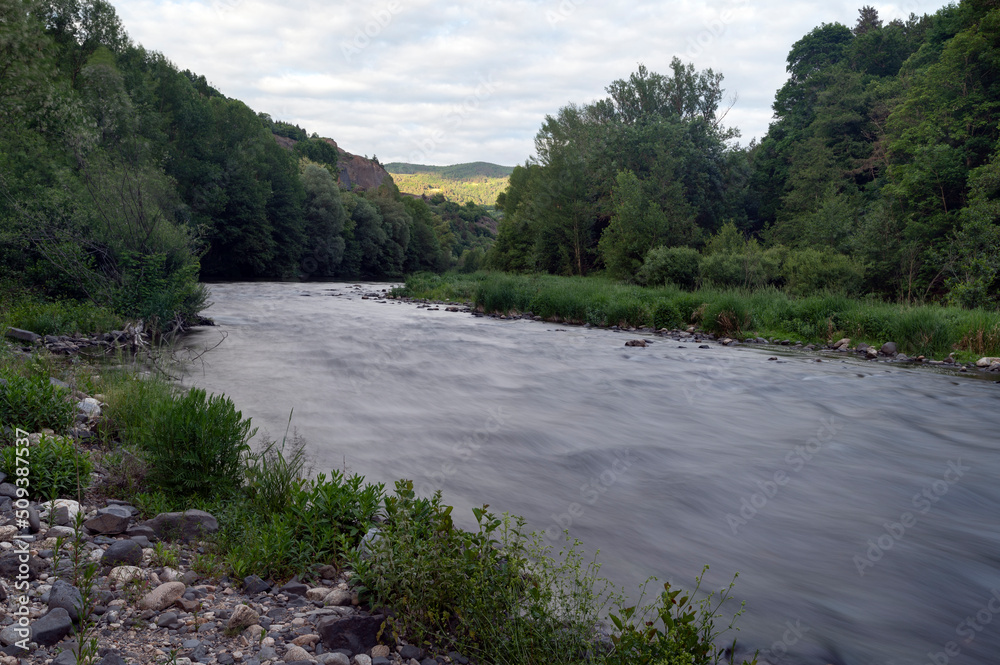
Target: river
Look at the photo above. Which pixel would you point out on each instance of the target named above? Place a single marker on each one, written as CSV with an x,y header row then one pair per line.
x,y
858,501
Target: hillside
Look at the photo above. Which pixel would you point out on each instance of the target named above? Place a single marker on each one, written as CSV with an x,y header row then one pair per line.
x,y
478,182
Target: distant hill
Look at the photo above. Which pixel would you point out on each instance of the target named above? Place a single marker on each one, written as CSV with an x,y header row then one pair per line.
x,y
479,182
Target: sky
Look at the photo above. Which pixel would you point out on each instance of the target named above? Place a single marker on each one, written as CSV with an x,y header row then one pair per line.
x,y
441,82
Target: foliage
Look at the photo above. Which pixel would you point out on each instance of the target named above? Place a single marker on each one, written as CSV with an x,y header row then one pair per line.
x,y
495,593
59,317
57,468
196,444
675,628
33,403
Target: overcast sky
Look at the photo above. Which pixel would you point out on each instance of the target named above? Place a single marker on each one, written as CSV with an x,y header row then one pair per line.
x,y
438,82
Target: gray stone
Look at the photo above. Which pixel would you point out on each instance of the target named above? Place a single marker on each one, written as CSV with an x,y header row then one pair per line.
x,y
66,596
253,585
334,658
888,349
166,619
843,343
110,521
122,553
187,525
67,657
242,618
10,635
34,521
8,489
294,589
10,564
52,627
366,547
23,335
162,596
408,651
356,633
636,342
141,530
111,658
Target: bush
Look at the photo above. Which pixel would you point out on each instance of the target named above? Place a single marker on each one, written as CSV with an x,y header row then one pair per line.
x,y
494,594
675,265
33,403
809,271
56,468
60,318
196,445
728,314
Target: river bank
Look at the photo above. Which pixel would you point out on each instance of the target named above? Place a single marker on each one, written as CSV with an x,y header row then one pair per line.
x,y
934,332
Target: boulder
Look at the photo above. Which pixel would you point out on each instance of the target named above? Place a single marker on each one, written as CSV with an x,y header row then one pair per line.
x,y
7,533
986,363
110,521
186,526
23,335
89,407
242,618
122,553
889,349
253,585
296,653
842,344
64,511
871,353
122,575
10,564
66,596
162,596
636,342
355,633
52,627
338,597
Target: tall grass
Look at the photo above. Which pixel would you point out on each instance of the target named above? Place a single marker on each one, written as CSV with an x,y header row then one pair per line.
x,y
59,318
930,330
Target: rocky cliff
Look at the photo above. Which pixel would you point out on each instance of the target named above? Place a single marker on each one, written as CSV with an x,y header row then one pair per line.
x,y
355,171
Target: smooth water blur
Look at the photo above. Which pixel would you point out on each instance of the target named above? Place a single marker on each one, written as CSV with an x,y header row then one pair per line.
x,y
800,475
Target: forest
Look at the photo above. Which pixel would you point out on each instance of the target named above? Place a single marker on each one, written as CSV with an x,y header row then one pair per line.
x,y
126,182
879,174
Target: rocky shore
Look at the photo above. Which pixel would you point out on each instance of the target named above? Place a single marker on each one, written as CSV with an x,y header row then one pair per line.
x,y
886,352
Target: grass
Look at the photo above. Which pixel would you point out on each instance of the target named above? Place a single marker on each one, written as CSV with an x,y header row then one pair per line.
x,y
929,330
59,318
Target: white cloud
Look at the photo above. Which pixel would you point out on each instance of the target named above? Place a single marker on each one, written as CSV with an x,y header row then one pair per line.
x,y
455,82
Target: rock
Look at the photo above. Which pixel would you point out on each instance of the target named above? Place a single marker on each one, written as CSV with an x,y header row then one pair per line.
x,y
52,627
253,585
113,658
294,589
362,659
10,635
8,490
319,593
110,521
335,658
308,641
122,575
162,596
64,510
242,618
23,335
636,342
367,545
338,597
34,520
122,553
842,344
871,353
995,367
89,407
902,357
188,525
293,653
7,533
888,349
950,360
381,651
65,658
355,633
10,564
66,596
408,651
987,362
862,347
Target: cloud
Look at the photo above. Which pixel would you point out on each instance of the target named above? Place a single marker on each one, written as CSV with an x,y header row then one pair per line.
x,y
457,82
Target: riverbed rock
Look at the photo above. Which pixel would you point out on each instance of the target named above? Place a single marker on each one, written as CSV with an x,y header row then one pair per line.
x,y
842,344
52,627
186,526
356,633
23,335
66,596
162,596
987,362
636,342
871,353
110,521
64,511
243,617
888,349
122,553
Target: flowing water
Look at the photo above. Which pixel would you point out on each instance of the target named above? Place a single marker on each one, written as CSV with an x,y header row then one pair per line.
x,y
858,501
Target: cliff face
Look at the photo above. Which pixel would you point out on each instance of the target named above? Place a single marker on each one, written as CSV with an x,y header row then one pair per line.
x,y
355,171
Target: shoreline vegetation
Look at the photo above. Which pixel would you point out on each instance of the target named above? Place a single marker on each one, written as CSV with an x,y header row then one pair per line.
x,y
823,319
115,450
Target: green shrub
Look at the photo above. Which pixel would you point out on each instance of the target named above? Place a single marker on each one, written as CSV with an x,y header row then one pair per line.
x,y
503,294
676,265
56,468
666,314
809,271
34,402
321,522
493,594
130,399
196,444
728,314
60,318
